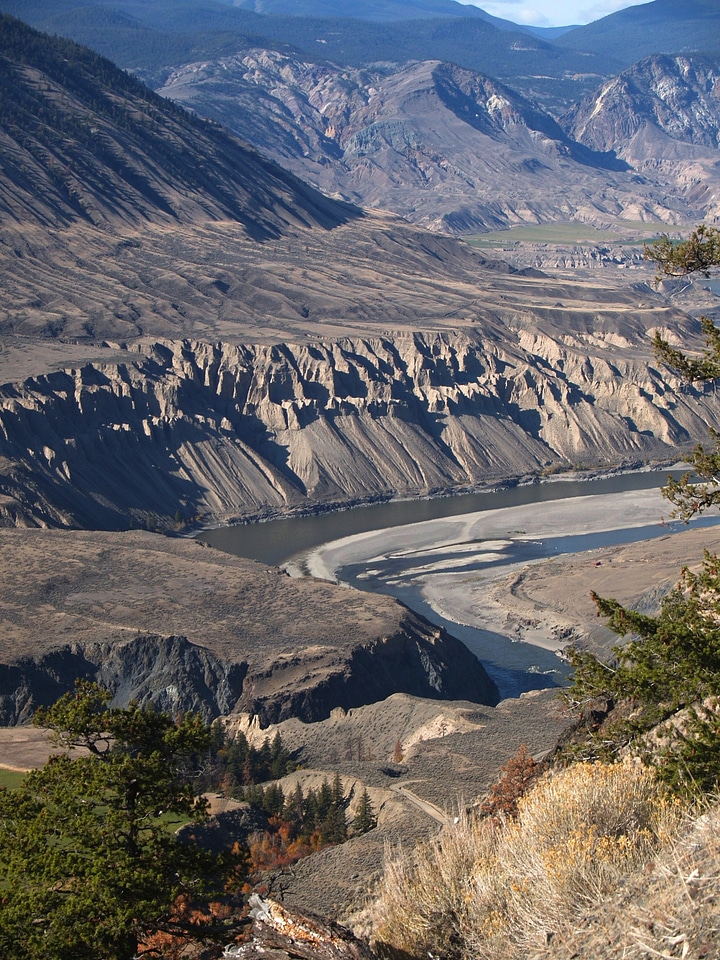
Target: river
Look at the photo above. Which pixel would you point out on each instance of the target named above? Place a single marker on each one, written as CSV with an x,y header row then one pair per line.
x,y
441,541
275,542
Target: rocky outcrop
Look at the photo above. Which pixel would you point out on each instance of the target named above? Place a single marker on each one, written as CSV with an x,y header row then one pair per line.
x,y
176,676
185,627
168,672
662,116
188,429
280,934
436,666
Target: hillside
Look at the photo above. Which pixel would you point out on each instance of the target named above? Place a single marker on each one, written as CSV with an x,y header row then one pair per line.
x,y
377,10
233,344
184,627
445,147
189,336
662,26
84,142
392,10
434,141
662,116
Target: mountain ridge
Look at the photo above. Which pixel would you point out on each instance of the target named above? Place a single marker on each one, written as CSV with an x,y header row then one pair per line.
x,y
92,143
445,147
661,26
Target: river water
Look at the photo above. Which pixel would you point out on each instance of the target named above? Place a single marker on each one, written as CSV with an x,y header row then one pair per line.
x,y
514,666
276,542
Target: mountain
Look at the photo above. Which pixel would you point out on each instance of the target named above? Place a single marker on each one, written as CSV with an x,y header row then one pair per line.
x,y
190,335
186,328
662,26
150,37
661,108
391,10
445,147
663,117
376,10
83,141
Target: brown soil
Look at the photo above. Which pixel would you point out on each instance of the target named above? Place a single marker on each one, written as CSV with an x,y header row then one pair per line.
x,y
637,575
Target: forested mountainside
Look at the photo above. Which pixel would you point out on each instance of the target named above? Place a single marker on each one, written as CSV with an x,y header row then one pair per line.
x,y
83,141
150,37
556,65
662,26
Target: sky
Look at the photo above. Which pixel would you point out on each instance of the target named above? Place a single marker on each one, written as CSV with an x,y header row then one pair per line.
x,y
553,13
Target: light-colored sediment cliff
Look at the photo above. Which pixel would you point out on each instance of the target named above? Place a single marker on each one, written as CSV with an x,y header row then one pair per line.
x,y
187,429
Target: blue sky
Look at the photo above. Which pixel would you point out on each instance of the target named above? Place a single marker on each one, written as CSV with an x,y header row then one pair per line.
x,y
553,13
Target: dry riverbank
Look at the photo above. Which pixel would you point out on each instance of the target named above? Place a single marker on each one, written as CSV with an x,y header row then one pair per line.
x,y
507,573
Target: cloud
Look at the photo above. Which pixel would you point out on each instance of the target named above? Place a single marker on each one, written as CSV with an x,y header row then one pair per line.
x,y
603,8
519,11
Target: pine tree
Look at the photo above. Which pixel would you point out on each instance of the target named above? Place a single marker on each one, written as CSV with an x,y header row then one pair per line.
x,y
294,809
334,826
673,659
698,254
365,818
88,866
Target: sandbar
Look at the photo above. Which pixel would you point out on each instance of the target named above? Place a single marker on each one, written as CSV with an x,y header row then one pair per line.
x,y
467,568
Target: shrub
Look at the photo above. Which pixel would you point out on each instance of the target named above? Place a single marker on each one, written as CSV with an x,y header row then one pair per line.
x,y
483,884
516,778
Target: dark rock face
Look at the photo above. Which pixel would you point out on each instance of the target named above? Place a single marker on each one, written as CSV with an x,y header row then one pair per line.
x,y
170,673
437,666
177,676
28,684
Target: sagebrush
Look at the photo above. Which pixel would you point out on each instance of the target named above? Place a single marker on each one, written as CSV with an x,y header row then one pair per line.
x,y
486,883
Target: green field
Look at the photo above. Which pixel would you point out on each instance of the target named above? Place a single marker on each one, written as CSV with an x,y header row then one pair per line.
x,y
11,779
632,233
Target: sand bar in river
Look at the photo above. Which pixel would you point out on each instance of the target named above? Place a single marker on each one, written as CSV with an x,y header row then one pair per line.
x,y
484,570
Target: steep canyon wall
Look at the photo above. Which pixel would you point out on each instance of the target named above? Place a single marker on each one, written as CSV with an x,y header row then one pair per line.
x,y
187,429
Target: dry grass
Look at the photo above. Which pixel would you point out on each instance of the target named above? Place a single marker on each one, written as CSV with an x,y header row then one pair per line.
x,y
484,887
669,909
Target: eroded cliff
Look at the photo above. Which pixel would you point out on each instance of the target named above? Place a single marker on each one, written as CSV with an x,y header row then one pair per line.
x,y
186,429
